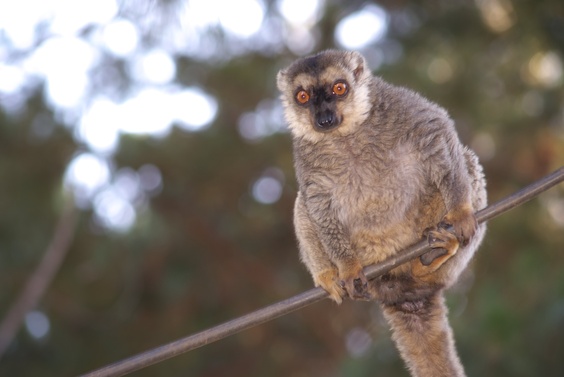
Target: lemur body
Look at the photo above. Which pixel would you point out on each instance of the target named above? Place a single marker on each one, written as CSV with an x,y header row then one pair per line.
x,y
378,167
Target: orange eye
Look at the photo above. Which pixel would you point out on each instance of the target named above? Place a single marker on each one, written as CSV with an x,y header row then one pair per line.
x,y
340,88
302,97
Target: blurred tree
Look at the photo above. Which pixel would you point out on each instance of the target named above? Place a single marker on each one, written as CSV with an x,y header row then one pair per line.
x,y
161,119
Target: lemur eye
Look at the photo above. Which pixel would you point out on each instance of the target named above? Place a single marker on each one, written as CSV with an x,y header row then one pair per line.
x,y
340,88
302,97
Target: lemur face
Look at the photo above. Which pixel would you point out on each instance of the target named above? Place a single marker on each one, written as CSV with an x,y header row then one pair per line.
x,y
325,92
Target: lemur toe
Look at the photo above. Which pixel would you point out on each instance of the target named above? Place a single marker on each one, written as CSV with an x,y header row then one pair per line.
x,y
430,256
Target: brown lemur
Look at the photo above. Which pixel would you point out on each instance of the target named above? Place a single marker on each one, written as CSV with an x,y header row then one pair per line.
x,y
378,168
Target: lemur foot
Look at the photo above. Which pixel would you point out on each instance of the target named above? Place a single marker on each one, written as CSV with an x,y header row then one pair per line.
x,y
463,223
329,281
444,244
352,282
355,283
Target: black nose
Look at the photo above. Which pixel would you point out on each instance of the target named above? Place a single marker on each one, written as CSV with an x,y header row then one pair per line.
x,y
325,120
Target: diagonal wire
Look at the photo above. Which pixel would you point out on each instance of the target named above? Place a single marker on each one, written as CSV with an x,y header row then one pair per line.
x,y
306,298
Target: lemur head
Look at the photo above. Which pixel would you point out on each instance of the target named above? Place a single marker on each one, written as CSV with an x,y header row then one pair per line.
x,y
325,93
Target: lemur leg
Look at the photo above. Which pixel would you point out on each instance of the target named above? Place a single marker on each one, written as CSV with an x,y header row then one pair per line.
x,y
338,276
324,273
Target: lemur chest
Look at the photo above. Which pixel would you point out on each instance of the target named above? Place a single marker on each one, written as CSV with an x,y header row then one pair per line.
x,y
380,187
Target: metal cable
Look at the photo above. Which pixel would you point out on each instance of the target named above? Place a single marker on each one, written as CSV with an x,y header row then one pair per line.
x,y
301,300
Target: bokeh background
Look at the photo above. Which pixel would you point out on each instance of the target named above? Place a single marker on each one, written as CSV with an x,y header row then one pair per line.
x,y
145,165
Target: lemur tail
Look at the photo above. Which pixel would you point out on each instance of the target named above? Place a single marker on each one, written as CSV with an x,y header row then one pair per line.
x,y
423,336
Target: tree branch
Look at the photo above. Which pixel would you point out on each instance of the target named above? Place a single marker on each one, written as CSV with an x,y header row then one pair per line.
x,y
40,280
299,301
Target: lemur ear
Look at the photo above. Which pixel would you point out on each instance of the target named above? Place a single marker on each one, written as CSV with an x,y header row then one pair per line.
x,y
281,80
359,64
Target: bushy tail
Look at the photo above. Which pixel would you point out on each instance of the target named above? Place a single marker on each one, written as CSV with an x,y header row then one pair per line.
x,y
423,336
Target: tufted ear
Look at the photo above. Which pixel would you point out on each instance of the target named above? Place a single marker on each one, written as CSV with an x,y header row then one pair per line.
x,y
281,80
